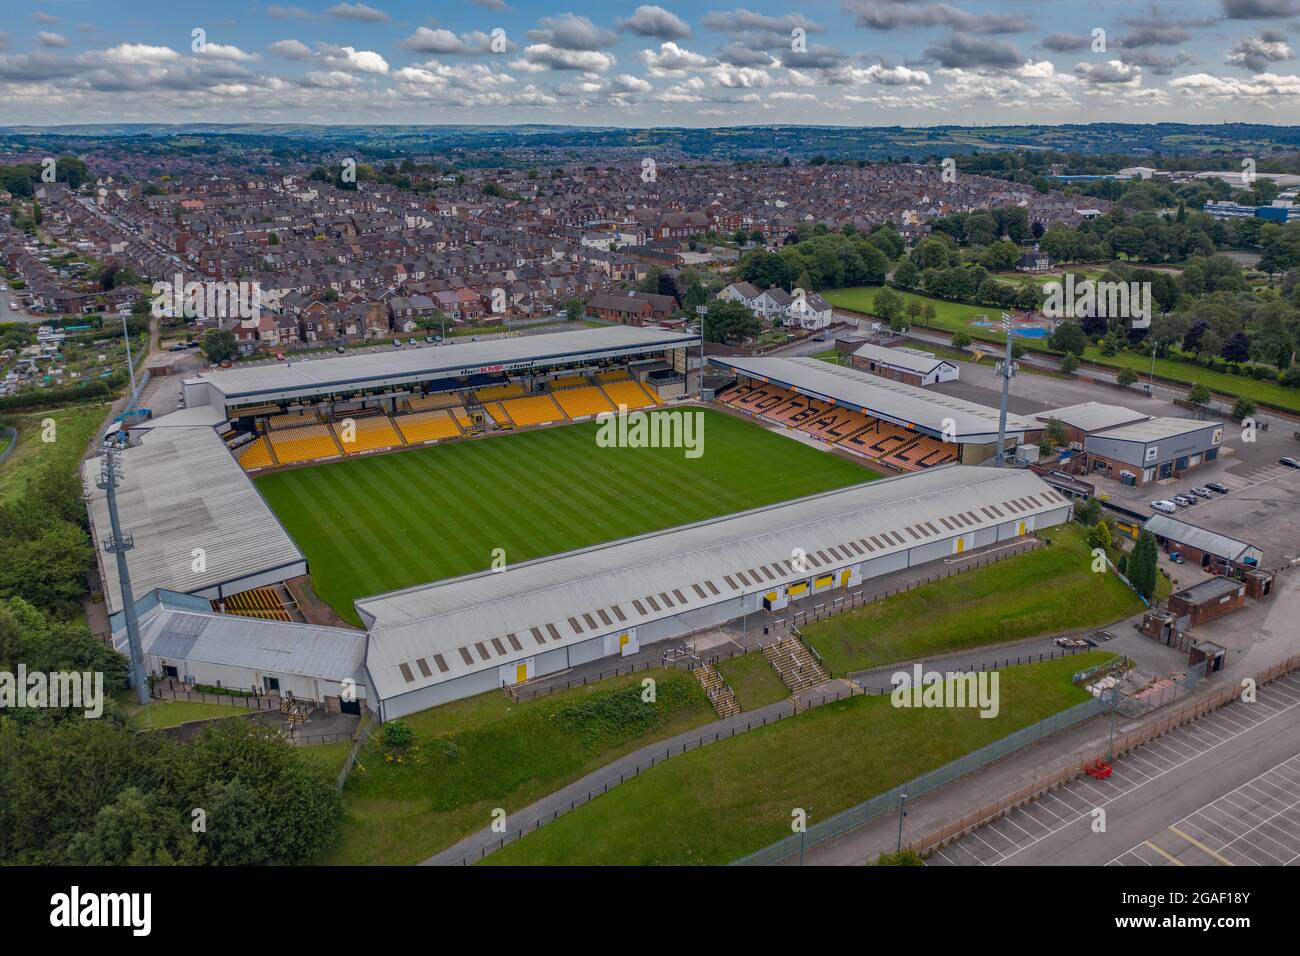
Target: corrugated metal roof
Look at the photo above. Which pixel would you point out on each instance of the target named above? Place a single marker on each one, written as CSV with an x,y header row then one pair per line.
x,y
431,362
882,397
1092,416
1155,429
1202,539
181,490
910,359
553,602
275,647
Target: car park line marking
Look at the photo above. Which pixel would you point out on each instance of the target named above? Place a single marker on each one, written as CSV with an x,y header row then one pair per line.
x,y
1201,846
1172,859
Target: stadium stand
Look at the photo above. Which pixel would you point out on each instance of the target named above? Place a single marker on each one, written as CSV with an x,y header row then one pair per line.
x,y
256,454
496,393
263,603
580,402
427,403
629,393
613,375
427,426
291,420
373,433
306,443
567,381
462,418
497,413
537,410
253,411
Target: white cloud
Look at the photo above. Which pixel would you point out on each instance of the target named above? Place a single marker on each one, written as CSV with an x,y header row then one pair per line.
x,y
672,60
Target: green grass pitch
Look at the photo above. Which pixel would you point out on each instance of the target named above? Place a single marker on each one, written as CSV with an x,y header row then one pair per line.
x,y
376,524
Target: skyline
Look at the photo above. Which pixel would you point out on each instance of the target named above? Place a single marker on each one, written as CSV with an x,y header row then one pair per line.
x,y
849,63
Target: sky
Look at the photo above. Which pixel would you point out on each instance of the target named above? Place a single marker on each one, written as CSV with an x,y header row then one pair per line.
x,y
613,63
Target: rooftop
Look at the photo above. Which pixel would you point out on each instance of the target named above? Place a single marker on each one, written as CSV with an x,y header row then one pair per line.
x,y
437,632
1154,429
898,402
1092,416
450,360
913,360
181,489
1202,539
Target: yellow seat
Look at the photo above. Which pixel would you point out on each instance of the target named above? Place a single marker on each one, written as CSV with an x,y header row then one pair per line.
x,y
428,426
307,443
256,454
629,393
580,402
536,410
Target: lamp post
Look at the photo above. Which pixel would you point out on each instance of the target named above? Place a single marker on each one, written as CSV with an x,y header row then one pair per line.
x,y
130,364
902,813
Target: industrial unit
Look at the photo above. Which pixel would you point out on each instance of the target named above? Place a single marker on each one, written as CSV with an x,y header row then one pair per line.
x,y
1152,450
1208,549
455,638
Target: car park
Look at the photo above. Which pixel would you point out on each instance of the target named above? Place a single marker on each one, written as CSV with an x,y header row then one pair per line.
x,y
1217,486
1168,507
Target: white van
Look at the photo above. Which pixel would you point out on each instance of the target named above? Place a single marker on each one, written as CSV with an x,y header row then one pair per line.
x,y
1168,507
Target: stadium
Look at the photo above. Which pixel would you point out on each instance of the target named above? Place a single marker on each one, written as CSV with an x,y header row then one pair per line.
x,y
422,531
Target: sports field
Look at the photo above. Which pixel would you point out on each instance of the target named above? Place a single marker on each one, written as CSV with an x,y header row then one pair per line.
x,y
376,524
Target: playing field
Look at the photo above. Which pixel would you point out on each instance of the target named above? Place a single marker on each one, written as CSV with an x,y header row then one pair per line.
x,y
376,524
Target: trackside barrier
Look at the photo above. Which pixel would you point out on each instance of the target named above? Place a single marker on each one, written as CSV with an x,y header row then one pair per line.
x,y
959,828
889,801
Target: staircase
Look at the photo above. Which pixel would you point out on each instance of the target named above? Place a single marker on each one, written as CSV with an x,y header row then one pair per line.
x,y
795,664
719,691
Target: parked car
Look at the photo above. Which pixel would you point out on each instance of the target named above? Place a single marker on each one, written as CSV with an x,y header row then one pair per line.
x,y
1289,462
1203,492
1176,557
1217,486
279,356
1185,500
397,343
1168,507
429,338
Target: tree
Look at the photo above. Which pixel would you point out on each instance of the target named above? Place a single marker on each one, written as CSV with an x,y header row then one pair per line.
x,y
1069,363
1099,535
1199,395
1088,511
1068,337
573,310
888,305
730,321
1142,565
961,340
1243,407
219,345
1055,431
1126,377
907,275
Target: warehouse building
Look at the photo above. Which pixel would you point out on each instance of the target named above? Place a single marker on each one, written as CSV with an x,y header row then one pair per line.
x,y
1202,547
1152,450
912,366
460,637
186,641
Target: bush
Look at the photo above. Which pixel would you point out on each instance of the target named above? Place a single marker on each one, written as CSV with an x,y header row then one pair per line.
x,y
1069,363
904,857
1126,377
1243,408
397,734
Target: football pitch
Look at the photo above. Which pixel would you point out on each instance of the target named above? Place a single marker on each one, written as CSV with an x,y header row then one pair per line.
x,y
376,524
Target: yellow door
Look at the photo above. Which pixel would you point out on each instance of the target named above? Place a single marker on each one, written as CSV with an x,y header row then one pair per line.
x,y
521,673
1020,528
844,578
961,545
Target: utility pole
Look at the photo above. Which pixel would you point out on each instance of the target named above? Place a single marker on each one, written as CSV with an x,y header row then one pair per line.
x,y
110,473
1006,370
702,311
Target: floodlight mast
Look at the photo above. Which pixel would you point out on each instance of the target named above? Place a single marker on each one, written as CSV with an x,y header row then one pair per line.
x,y
1006,370
110,473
